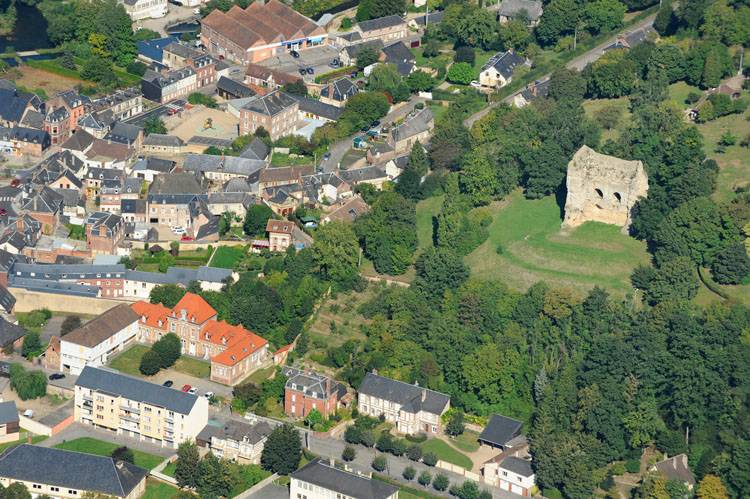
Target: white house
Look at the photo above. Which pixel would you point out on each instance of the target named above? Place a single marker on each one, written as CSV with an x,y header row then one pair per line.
x,y
498,71
145,9
511,473
100,339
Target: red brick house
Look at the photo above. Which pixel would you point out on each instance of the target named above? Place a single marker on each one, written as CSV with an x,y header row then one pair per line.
x,y
306,390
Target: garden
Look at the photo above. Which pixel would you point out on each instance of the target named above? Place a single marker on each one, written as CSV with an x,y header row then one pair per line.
x,y
129,361
89,445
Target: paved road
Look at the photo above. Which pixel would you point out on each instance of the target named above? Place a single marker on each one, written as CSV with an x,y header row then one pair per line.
x,y
338,149
578,63
158,111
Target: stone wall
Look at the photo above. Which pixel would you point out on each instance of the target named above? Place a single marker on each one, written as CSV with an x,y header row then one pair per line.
x,y
27,301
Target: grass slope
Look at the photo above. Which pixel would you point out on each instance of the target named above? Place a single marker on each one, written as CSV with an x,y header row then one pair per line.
x,y
90,445
446,453
533,248
426,209
226,257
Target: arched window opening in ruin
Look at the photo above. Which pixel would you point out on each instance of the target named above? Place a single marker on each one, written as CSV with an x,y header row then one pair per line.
x,y
598,206
618,197
600,193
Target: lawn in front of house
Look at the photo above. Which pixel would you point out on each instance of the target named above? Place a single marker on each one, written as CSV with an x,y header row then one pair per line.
x,y
526,245
226,257
129,361
446,453
159,490
245,476
97,447
466,442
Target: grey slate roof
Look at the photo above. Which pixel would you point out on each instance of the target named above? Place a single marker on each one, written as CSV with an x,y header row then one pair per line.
x,y
353,50
136,389
398,52
408,396
209,228
340,90
504,62
8,412
517,465
176,183
13,103
318,108
350,484
79,141
309,382
65,288
235,88
420,122
512,8
270,104
362,174
239,431
431,18
222,164
380,23
500,430
10,332
74,470
154,164
124,133
164,140
7,300
257,149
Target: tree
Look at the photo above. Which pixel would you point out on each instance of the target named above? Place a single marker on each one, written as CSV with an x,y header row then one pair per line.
x,y
99,70
479,180
123,454
440,482
461,72
71,323
366,56
154,125
169,348
186,465
608,117
248,393
419,81
151,363
27,384
425,478
32,345
514,35
558,19
348,454
297,87
465,54
665,20
166,294
256,219
567,84
361,110
16,490
712,488
455,424
674,279
439,269
731,264
336,254
314,417
282,451
373,9
409,473
379,463
603,15
430,459
214,479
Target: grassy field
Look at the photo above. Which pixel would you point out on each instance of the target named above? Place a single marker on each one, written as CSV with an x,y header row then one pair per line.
x,y
446,453
466,442
337,320
526,245
734,164
169,469
279,159
678,93
260,375
592,106
426,209
159,490
226,257
129,360
90,445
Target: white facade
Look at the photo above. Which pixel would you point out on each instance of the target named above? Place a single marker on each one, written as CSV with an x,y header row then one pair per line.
x,y
180,88
405,422
75,357
146,9
491,77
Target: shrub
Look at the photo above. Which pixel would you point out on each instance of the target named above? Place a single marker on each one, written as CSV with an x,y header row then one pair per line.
x,y
346,23
440,483
32,345
692,97
552,494
409,473
430,459
123,454
348,454
465,54
353,434
150,363
27,384
379,463
414,452
425,478
71,323
455,425
633,466
417,439
399,447
461,72
385,442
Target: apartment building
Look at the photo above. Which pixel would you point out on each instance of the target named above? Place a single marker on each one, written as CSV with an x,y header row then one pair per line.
x,y
321,479
385,29
234,351
411,408
100,339
276,112
164,88
132,407
236,440
66,474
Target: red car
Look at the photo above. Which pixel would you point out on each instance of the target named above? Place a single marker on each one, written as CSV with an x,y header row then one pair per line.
x,y
15,182
186,238
186,388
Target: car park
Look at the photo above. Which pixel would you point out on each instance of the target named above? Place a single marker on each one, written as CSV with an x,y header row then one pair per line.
x,y
168,383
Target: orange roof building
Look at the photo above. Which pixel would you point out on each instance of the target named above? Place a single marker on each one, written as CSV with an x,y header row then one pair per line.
x,y
259,32
234,351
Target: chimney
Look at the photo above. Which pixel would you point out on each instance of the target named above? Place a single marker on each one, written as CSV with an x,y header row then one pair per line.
x,y
424,394
332,462
328,386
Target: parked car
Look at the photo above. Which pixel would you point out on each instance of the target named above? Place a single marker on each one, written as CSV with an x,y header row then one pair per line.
x,y
28,413
375,123
186,238
193,391
3,212
178,230
294,54
475,84
310,71
186,388
168,383
196,11
208,395
55,376
327,156
302,71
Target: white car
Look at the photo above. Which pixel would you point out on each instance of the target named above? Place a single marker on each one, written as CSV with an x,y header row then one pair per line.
x,y
475,84
208,395
193,391
178,230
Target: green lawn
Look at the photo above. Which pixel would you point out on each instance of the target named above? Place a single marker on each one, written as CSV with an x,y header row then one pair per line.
x,y
526,245
129,361
226,257
679,91
734,163
447,453
22,440
279,159
158,490
169,469
426,209
90,445
246,476
592,106
466,442
260,375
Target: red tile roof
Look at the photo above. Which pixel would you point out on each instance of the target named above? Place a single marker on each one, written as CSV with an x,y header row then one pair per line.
x,y
155,314
196,308
245,343
283,226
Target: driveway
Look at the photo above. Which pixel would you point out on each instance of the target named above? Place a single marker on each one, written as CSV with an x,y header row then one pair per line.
x,y
317,58
176,14
52,328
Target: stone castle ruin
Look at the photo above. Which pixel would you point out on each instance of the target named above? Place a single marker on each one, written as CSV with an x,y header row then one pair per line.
x,y
602,188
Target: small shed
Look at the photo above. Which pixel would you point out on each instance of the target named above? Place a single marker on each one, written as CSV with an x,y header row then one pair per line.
x,y
500,431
